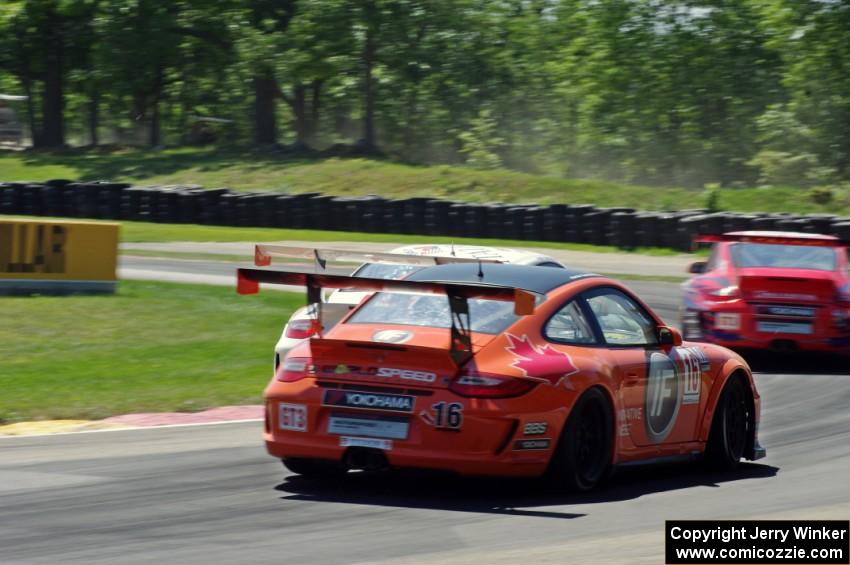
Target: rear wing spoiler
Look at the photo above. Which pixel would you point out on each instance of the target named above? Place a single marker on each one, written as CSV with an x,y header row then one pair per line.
x,y
812,240
458,294
263,254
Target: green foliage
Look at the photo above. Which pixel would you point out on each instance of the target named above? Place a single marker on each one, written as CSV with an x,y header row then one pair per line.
x,y
480,143
821,195
785,168
711,197
648,92
657,92
813,39
245,170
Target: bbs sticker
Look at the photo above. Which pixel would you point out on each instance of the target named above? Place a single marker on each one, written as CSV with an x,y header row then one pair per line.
x,y
534,428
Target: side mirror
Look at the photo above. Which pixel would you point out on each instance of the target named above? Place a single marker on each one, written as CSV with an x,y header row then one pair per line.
x,y
697,267
669,336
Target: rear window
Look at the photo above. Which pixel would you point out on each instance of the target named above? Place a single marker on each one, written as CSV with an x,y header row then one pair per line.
x,y
428,310
783,256
389,272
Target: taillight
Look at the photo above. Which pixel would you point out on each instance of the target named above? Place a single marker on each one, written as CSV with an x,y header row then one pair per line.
x,y
726,293
294,369
486,385
843,296
841,318
302,329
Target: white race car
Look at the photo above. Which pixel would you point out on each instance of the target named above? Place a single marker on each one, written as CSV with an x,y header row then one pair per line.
x,y
396,264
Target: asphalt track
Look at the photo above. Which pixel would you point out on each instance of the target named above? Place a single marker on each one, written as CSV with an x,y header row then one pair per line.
x,y
222,273
209,494
628,263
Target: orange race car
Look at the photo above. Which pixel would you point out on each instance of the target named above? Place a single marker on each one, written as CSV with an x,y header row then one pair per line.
x,y
502,370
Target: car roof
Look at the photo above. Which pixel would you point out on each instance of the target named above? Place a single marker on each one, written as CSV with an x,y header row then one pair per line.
x,y
502,254
535,279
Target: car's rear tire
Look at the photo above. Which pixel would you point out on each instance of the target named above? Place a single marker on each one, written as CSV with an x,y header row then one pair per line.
x,y
314,468
730,427
583,455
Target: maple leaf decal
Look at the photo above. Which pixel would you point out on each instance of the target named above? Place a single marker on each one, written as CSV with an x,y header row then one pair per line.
x,y
545,363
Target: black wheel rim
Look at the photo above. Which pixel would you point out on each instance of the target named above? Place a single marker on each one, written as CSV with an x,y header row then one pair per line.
x,y
590,443
735,421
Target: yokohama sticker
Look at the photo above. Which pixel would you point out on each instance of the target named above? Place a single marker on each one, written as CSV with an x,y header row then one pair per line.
x,y
369,400
531,444
767,295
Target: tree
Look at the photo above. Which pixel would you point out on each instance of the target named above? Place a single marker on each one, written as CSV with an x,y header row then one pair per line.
x,y
813,39
666,92
148,44
41,46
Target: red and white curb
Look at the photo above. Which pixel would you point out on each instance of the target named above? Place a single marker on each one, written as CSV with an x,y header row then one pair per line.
x,y
213,416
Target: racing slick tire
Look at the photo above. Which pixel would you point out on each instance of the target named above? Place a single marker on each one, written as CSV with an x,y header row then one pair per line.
x,y
583,455
314,468
729,433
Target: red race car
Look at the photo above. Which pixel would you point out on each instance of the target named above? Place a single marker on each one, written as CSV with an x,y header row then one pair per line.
x,y
781,291
501,370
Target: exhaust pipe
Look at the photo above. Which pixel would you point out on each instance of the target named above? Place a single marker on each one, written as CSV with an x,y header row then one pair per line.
x,y
783,345
355,459
376,461
365,459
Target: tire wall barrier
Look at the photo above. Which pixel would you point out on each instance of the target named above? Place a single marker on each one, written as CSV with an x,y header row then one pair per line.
x,y
624,228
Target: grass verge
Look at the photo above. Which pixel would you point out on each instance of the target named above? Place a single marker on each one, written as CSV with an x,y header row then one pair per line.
x,y
144,232
248,170
186,256
150,347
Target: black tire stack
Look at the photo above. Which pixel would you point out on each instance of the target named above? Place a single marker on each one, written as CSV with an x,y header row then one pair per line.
x,y
624,228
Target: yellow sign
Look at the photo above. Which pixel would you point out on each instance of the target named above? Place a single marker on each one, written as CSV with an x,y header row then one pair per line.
x,y
54,250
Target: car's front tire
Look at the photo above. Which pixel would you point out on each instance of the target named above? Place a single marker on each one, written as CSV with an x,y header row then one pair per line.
x,y
583,455
314,468
729,434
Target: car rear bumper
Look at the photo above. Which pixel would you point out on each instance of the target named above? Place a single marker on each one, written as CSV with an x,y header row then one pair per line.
x,y
822,334
779,342
494,438
412,458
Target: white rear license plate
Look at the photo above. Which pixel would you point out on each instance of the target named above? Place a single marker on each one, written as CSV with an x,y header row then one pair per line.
x,y
784,328
381,426
384,444
726,321
292,417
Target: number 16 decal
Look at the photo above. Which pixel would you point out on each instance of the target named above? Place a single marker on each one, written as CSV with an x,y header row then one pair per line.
x,y
447,415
